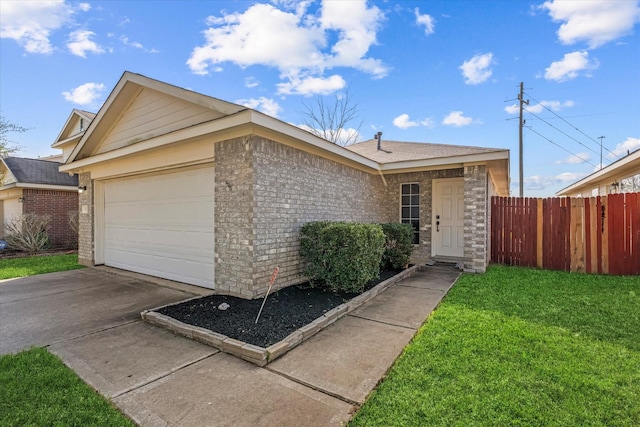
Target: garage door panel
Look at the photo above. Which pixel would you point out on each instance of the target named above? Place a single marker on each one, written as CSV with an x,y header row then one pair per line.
x,y
162,225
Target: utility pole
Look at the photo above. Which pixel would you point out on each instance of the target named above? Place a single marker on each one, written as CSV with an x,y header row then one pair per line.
x,y
601,138
522,102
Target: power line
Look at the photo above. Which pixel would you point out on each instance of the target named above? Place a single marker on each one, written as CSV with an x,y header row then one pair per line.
x,y
561,118
562,132
558,145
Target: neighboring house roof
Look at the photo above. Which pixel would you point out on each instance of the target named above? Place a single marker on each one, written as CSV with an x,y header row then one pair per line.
x,y
625,167
35,171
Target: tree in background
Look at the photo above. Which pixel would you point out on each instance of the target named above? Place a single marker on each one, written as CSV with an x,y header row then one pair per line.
x,y
330,120
8,147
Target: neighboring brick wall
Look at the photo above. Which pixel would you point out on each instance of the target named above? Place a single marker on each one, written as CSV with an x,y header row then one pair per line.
x,y
422,252
85,221
292,188
56,204
475,218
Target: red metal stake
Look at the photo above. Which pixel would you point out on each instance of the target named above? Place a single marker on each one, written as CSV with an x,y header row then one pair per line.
x,y
273,279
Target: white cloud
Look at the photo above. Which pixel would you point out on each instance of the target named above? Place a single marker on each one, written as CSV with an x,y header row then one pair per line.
x,y
457,119
571,66
80,43
539,182
538,108
630,144
30,23
477,69
577,158
403,122
251,82
426,21
125,40
311,85
297,43
596,21
266,105
85,94
85,7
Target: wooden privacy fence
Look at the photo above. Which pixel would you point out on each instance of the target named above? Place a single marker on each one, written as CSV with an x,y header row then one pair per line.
x,y
592,235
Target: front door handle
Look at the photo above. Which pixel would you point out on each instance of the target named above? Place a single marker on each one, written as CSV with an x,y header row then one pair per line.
x,y
438,226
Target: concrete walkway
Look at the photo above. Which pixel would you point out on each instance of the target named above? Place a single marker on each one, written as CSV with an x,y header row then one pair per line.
x,y
159,379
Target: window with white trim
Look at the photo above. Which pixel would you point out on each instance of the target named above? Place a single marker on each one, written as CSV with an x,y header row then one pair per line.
x,y
410,208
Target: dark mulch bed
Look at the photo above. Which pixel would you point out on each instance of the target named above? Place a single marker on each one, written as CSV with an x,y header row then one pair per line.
x,y
285,311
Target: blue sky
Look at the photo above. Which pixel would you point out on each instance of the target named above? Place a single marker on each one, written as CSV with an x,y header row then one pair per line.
x,y
423,71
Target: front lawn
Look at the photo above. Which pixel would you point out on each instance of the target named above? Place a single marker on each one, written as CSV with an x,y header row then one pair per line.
x,y
29,266
518,346
39,390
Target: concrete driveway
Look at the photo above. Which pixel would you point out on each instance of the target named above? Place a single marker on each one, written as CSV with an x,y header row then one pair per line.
x,y
49,308
91,319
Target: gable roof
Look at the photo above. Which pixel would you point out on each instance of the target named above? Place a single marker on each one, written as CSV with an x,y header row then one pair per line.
x,y
124,94
622,168
35,171
69,131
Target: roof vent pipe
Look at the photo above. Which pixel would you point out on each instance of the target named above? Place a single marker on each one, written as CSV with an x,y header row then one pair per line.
x,y
379,138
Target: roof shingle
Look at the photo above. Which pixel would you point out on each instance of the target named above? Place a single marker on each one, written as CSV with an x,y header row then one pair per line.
x,y
398,151
34,171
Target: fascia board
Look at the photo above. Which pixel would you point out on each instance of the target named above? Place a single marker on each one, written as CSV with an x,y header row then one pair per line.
x,y
47,186
292,131
442,162
605,173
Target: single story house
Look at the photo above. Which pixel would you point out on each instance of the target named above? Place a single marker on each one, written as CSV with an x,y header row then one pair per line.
x,y
623,175
180,185
36,186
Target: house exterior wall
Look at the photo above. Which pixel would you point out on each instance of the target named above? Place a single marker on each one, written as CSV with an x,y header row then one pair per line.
x,y
234,228
421,252
292,188
56,204
265,191
475,218
85,221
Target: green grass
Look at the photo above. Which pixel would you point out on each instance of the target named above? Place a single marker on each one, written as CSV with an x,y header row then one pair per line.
x,y
39,390
520,347
21,267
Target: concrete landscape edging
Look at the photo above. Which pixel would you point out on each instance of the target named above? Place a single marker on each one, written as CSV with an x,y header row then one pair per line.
x,y
261,356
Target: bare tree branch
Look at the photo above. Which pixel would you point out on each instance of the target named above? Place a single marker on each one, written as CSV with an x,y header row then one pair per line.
x,y
330,120
8,147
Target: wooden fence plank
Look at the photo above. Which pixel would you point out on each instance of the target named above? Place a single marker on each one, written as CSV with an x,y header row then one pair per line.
x,y
604,207
593,235
539,252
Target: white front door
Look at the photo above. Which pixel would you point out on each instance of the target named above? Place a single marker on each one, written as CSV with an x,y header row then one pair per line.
x,y
448,217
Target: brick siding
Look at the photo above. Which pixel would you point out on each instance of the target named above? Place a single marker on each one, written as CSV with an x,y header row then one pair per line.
x,y
475,218
85,221
57,204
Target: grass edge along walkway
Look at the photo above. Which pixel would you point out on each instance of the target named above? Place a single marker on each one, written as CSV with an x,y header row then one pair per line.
x,y
11,268
518,346
39,390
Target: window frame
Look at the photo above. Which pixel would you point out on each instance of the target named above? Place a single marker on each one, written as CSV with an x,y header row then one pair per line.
x,y
413,220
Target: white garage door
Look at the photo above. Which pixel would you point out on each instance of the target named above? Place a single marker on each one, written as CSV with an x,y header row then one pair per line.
x,y
162,225
12,210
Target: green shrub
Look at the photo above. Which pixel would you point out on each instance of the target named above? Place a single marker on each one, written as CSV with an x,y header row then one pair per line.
x,y
342,256
398,245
